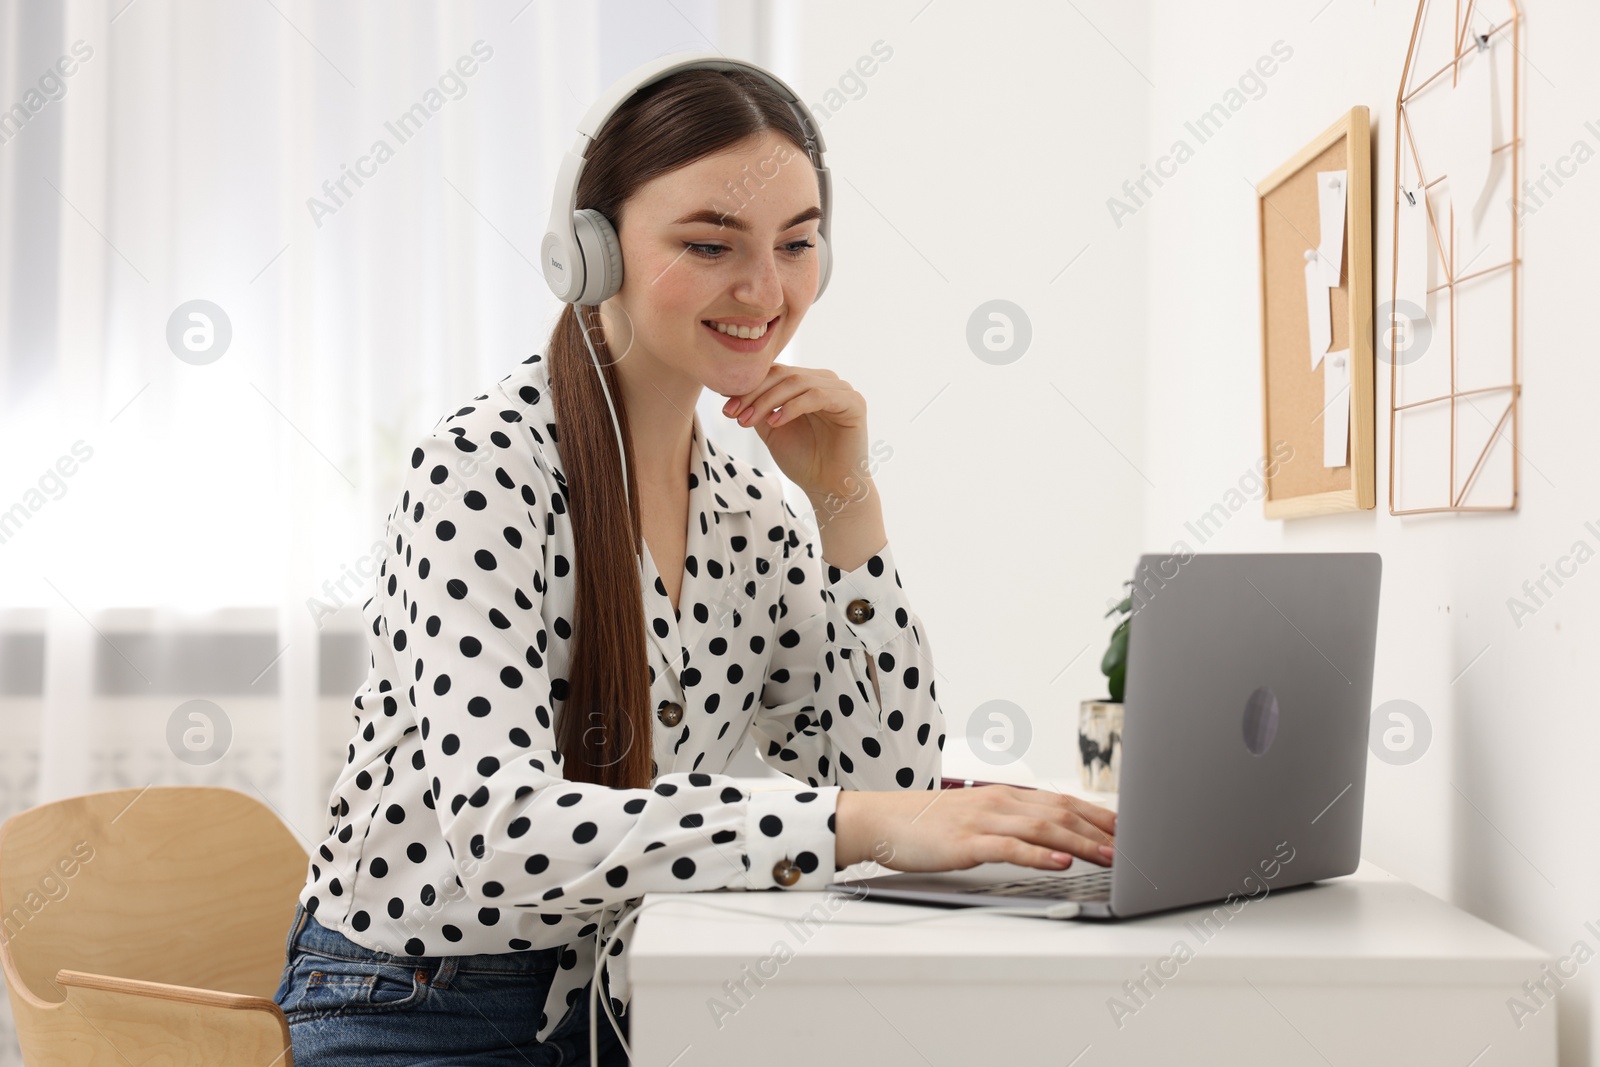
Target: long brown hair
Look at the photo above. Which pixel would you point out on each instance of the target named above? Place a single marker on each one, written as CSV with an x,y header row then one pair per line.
x,y
604,731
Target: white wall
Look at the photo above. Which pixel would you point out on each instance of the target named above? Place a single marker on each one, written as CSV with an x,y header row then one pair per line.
x,y
990,143
974,167
1499,816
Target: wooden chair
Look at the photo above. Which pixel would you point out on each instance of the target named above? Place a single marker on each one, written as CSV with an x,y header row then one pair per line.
x,y
148,925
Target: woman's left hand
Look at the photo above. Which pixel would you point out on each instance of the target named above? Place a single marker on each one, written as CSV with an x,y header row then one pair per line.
x,y
813,423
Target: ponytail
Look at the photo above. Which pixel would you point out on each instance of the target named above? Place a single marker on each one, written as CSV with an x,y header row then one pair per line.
x,y
604,731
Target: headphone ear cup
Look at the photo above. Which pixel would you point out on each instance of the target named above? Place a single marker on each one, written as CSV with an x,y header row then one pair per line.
x,y
602,255
824,266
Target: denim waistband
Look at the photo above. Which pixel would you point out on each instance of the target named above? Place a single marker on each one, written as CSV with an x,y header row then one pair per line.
x,y
309,935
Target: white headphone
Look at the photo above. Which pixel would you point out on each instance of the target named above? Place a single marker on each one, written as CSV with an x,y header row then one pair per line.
x,y
580,254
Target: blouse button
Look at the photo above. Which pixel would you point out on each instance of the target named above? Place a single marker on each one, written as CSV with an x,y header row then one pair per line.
x,y
670,714
859,611
785,873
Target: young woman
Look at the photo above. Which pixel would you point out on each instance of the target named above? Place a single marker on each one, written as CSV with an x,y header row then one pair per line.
x,y
527,756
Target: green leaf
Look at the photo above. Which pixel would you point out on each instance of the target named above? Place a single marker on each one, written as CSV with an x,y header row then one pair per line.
x,y
1117,650
1114,664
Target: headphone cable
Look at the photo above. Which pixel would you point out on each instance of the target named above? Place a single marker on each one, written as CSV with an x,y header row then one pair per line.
x,y
622,451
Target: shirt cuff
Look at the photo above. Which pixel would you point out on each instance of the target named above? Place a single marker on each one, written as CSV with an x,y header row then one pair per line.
x,y
869,601
789,838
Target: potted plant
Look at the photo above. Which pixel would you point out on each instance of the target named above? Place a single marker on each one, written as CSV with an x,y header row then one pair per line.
x,y
1100,721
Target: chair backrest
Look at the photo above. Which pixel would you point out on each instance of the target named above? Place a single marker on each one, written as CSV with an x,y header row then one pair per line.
x,y
189,885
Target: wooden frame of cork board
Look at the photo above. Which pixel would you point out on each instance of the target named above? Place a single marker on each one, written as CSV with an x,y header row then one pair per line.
x,y
1287,212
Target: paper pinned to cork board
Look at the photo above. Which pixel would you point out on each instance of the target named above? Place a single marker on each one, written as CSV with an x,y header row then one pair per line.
x,y
1330,243
1325,263
1336,408
1319,318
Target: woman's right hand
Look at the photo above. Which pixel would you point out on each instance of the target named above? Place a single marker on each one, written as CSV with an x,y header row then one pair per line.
x,y
953,829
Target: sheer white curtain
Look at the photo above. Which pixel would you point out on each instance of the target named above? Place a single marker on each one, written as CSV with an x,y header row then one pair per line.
x,y
353,197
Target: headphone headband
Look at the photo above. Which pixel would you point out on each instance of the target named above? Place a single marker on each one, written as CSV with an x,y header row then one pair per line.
x,y
577,278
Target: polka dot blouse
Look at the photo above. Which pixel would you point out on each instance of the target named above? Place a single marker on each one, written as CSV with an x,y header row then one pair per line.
x,y
454,830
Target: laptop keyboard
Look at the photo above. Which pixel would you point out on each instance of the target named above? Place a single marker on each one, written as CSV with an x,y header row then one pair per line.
x,y
1084,885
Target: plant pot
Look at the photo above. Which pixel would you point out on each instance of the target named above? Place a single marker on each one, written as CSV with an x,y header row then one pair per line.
x,y
1100,744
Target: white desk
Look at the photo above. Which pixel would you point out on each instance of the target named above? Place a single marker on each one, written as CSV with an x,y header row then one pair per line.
x,y
1362,970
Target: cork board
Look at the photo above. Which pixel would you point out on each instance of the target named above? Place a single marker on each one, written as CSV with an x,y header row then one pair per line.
x,y
1293,401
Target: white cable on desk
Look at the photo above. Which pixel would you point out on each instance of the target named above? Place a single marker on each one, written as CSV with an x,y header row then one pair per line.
x,y
1063,910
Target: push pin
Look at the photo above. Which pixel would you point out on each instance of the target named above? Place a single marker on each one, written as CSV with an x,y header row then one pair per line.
x,y
1409,195
1483,41
1311,255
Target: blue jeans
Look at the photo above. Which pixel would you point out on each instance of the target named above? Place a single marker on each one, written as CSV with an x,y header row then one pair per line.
x,y
354,1007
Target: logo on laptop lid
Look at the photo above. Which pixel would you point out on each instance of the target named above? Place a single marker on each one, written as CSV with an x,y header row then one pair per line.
x,y
1260,720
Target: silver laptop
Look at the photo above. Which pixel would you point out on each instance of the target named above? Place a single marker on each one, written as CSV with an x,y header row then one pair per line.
x,y
1244,760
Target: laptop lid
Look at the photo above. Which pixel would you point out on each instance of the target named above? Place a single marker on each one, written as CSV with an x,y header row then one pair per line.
x,y
1245,718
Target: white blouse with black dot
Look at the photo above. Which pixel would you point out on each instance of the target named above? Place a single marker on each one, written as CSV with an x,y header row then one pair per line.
x,y
454,830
